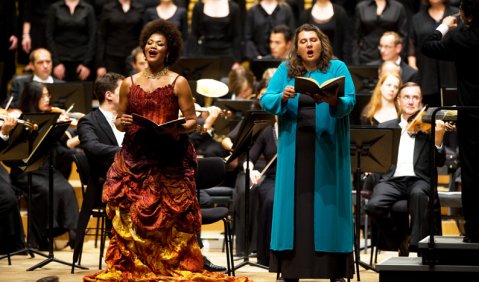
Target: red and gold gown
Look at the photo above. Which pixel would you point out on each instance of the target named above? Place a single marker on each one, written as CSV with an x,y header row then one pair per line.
x,y
151,198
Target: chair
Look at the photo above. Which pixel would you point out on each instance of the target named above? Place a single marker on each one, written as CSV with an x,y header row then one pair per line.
x,y
400,214
89,208
211,173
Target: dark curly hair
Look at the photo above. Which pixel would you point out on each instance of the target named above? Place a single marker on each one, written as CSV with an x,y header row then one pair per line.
x,y
174,41
296,67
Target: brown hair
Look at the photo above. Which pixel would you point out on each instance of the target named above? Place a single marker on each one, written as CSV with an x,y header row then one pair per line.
x,y
296,67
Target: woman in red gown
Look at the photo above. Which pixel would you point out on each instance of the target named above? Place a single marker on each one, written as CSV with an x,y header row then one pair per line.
x,y
150,188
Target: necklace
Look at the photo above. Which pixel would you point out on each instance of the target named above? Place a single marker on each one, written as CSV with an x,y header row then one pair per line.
x,y
157,75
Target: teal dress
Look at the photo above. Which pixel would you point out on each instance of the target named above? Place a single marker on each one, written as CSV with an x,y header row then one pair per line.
x,y
312,229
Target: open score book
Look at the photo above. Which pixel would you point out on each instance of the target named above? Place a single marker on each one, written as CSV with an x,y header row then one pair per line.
x,y
146,122
329,88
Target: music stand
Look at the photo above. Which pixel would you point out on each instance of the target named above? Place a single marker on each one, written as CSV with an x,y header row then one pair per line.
x,y
372,150
449,97
65,94
39,145
254,122
13,153
364,78
238,108
259,66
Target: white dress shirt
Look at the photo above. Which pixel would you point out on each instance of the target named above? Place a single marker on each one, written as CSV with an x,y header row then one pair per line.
x,y
405,161
111,121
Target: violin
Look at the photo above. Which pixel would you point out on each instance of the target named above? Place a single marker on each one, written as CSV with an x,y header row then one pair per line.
x,y
421,121
15,113
416,124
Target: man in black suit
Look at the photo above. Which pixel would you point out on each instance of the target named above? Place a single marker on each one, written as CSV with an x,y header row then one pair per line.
x,y
100,140
41,60
390,48
410,178
461,45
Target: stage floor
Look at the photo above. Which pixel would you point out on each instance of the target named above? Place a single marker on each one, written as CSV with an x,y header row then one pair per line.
x,y
17,271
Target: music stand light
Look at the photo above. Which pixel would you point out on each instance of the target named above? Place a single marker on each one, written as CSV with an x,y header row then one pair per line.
x,y
372,150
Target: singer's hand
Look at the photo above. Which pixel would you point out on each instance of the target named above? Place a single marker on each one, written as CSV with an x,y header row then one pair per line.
x,y
288,93
450,21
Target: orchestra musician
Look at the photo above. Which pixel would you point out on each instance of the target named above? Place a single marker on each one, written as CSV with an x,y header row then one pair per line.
x,y
410,178
36,99
41,61
12,237
100,140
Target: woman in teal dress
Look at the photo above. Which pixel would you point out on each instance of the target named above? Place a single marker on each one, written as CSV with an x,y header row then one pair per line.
x,y
312,231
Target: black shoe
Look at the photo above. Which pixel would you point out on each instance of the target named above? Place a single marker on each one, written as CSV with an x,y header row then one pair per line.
x,y
404,248
49,279
208,265
468,239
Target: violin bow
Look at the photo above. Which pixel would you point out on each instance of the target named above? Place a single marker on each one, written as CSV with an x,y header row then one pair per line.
x,y
264,170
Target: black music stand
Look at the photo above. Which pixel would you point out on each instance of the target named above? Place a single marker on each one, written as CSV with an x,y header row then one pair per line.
x,y
65,94
372,150
13,152
449,97
364,78
254,122
39,146
238,108
259,66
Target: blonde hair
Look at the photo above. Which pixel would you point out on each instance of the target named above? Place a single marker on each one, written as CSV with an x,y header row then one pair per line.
x,y
375,103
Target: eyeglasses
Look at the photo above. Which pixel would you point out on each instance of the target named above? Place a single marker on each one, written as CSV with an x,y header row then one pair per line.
x,y
407,98
385,47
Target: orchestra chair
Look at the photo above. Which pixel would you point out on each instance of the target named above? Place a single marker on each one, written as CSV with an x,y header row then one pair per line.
x,y
91,207
400,215
211,172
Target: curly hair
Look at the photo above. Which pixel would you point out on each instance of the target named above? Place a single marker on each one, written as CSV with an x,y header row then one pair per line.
x,y
295,62
375,103
174,42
